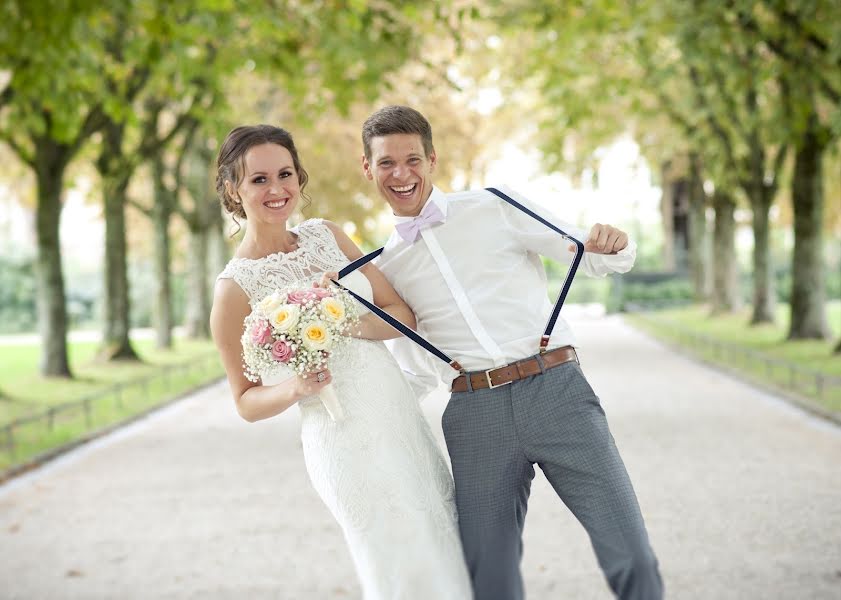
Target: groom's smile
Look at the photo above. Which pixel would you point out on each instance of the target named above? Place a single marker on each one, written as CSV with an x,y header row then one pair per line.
x,y
402,170
405,191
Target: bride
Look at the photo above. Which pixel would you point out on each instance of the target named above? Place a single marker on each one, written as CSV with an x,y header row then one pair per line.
x,y
378,470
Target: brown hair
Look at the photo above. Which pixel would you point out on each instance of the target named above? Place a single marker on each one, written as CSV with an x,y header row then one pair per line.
x,y
396,119
231,161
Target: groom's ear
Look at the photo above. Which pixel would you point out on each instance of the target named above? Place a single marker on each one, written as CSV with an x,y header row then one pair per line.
x,y
366,168
433,160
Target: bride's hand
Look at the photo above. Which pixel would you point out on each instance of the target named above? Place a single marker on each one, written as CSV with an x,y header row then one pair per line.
x,y
309,384
326,279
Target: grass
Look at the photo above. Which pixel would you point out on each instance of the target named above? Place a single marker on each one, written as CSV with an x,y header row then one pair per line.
x,y
115,392
757,351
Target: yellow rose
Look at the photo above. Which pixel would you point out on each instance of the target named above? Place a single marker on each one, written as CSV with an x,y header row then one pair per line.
x,y
285,317
315,336
333,310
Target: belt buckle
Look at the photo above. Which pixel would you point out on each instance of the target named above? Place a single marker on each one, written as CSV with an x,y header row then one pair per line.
x,y
490,383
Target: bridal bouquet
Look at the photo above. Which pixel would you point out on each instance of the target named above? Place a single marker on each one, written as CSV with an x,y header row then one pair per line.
x,y
298,327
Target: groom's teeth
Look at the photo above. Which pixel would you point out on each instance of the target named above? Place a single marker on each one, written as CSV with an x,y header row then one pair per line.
x,y
403,189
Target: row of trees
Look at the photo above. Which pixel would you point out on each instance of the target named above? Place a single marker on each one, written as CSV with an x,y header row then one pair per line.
x,y
739,100
148,84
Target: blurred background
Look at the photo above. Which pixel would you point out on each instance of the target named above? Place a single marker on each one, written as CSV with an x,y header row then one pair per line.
x,y
709,130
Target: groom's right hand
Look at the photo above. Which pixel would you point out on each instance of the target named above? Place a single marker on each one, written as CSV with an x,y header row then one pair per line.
x,y
604,239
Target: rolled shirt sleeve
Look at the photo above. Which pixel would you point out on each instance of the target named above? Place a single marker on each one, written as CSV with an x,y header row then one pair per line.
x,y
539,239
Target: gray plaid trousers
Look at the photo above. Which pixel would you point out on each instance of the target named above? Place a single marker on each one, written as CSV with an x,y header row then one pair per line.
x,y
555,420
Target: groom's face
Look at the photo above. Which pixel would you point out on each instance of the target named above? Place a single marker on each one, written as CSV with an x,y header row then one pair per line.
x,y
402,170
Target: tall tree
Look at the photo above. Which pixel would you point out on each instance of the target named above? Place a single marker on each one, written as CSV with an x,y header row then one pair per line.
x,y
49,108
803,36
737,94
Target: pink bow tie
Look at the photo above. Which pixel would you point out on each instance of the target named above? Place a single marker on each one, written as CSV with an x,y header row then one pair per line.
x,y
430,215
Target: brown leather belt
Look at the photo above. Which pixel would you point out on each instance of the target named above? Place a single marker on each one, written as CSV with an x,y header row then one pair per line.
x,y
482,380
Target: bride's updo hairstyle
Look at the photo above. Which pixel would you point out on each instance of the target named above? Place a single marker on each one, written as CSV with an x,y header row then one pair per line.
x,y
230,165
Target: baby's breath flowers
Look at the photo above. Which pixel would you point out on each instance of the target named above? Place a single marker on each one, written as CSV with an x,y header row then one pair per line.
x,y
296,328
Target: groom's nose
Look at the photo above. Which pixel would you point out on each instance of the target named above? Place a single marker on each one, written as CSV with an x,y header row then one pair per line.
x,y
400,171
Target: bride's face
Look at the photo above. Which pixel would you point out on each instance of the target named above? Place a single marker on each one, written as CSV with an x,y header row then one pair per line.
x,y
269,189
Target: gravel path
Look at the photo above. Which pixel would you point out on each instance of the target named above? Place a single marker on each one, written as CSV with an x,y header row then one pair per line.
x,y
741,493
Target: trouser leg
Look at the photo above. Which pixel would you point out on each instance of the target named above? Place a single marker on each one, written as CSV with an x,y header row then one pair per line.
x,y
492,483
564,430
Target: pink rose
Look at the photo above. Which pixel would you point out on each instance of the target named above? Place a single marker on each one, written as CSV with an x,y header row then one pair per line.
x,y
321,292
261,333
302,296
282,351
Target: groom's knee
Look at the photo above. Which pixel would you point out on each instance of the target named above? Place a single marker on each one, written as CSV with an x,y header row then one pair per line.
x,y
637,577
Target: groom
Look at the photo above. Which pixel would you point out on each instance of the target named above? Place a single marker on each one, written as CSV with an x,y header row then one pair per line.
x,y
469,266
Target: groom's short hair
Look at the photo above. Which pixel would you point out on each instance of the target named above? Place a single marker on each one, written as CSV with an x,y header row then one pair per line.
x,y
396,119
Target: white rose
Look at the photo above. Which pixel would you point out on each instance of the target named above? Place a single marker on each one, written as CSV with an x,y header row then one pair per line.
x,y
271,303
285,317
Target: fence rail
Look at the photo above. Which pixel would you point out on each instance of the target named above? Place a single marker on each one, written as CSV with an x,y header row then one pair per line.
x,y
785,374
104,407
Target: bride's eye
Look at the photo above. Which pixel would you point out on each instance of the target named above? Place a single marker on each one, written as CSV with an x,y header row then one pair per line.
x,y
259,179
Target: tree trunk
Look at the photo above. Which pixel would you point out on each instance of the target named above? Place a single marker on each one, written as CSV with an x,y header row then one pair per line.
x,y
837,349
115,179
726,294
808,291
198,290
697,251
220,252
667,213
208,252
760,196
52,308
116,343
764,299
161,214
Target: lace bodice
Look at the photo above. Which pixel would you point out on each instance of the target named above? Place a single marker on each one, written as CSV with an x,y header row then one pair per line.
x,y
317,253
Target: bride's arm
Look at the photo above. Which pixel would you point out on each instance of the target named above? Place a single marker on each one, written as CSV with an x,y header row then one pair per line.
x,y
253,401
385,296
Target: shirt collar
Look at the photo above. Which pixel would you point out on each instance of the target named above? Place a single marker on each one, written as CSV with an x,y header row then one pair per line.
x,y
437,196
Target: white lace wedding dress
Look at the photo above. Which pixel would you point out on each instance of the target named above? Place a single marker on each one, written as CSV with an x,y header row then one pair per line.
x,y
379,470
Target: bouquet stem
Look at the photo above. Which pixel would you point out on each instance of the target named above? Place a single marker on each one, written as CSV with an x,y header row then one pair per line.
x,y
331,403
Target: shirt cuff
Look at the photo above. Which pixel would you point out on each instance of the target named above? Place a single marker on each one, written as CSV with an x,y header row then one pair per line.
x,y
599,265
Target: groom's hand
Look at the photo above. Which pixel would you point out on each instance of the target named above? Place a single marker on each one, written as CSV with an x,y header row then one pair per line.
x,y
604,239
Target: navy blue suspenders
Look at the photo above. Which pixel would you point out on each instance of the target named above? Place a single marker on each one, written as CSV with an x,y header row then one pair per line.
x,y
424,343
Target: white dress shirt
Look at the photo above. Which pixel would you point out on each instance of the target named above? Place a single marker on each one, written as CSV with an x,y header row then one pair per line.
x,y
477,285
